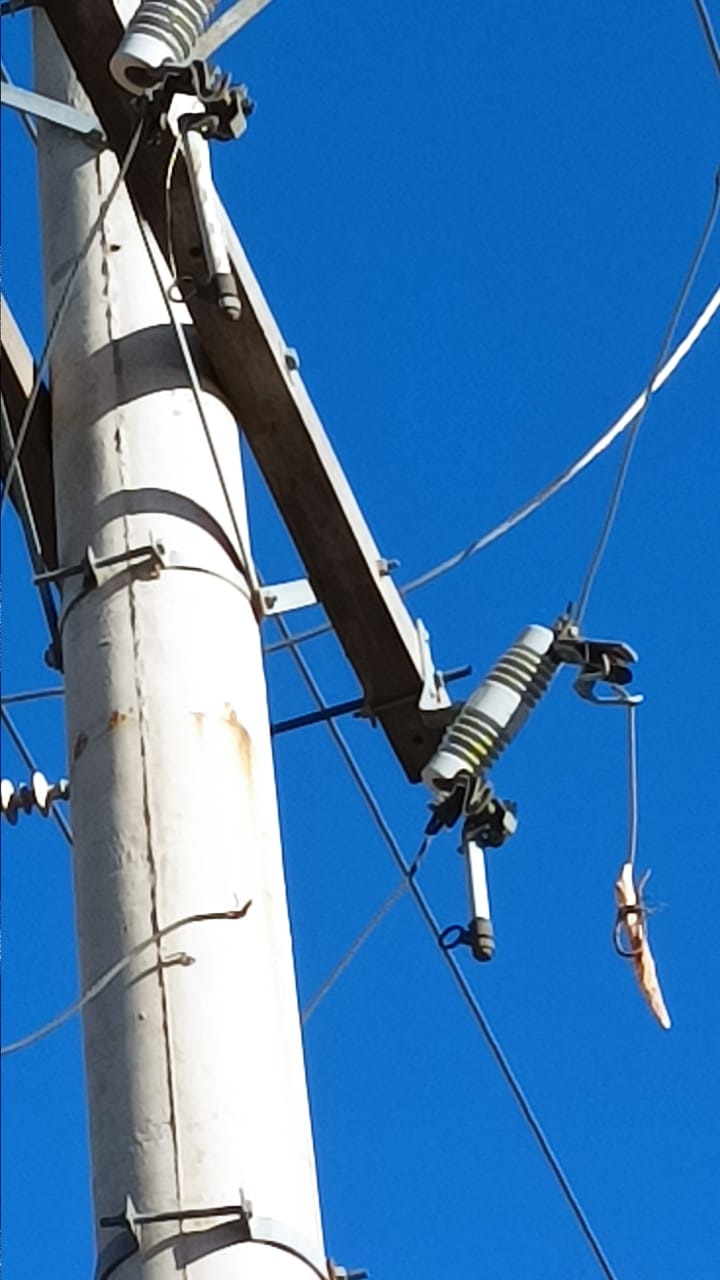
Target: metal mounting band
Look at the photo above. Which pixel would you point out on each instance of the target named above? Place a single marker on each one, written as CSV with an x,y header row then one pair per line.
x,y
152,558
264,1231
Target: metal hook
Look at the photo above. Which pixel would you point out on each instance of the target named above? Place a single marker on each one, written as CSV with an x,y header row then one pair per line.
x,y
585,683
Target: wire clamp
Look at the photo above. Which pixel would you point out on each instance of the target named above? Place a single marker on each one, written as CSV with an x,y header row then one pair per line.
x,y
228,106
599,660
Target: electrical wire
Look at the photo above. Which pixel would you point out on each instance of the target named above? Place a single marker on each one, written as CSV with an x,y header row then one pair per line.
x,y
27,121
32,536
372,924
709,34
578,611
246,560
62,306
24,752
465,989
30,695
114,972
549,490
632,783
565,477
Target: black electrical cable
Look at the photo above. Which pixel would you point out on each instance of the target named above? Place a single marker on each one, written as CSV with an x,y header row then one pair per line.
x,y
465,989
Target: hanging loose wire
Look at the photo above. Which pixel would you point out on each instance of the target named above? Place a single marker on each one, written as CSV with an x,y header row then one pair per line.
x,y
553,487
26,755
62,306
373,923
114,972
632,783
466,991
578,612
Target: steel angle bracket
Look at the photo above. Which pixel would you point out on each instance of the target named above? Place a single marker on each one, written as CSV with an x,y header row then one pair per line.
x,y
286,596
60,113
434,699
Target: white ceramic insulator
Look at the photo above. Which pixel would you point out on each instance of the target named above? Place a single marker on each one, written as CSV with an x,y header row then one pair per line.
x,y
495,711
160,31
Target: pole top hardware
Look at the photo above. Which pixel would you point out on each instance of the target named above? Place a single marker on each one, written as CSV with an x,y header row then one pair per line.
x,y
227,106
600,660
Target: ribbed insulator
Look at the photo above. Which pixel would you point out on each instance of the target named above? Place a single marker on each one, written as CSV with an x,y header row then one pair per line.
x,y
496,710
160,31
39,794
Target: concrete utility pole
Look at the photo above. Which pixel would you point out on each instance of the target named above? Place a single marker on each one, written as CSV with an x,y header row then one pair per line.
x,y
196,1086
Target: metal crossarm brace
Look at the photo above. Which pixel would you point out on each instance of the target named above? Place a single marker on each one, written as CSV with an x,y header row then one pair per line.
x,y
35,104
249,359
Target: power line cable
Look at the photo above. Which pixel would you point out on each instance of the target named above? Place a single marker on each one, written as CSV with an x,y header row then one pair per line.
x,y
246,560
565,477
373,923
549,490
32,537
624,465
114,972
30,695
709,34
26,755
26,119
62,306
632,783
465,989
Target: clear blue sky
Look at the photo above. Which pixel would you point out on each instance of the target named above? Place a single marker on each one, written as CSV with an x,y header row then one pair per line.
x,y
472,221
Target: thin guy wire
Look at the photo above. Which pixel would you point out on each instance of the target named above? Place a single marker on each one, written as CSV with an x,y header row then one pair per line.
x,y
32,537
372,924
62,307
477,1013
709,34
30,695
191,371
31,765
632,783
114,971
549,490
623,468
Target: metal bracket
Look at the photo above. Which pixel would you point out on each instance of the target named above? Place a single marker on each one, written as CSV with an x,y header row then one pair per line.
x,y
89,567
434,696
227,106
36,104
286,596
251,1230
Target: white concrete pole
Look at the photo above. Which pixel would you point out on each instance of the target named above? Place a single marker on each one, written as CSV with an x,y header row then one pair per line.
x,y
196,1085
